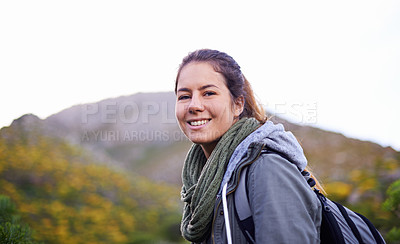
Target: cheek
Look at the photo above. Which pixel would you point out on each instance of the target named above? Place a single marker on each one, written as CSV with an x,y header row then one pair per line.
x,y
180,112
222,111
177,112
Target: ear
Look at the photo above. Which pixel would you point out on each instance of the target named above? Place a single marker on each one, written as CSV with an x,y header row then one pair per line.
x,y
238,106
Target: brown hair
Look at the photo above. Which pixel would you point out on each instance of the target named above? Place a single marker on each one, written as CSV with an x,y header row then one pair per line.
x,y
237,84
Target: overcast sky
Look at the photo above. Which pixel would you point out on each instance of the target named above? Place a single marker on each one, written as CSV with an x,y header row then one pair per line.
x,y
334,65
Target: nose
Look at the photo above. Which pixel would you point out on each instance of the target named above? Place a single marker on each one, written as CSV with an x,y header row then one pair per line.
x,y
195,105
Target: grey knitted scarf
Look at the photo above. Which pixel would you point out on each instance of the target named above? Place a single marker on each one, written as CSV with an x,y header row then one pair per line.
x,y
202,178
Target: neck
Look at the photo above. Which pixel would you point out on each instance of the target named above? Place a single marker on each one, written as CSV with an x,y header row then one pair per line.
x,y
208,148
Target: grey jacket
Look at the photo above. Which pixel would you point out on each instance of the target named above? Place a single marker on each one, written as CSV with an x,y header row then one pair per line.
x,y
284,208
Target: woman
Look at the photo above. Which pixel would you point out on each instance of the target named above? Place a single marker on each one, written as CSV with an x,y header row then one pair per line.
x,y
217,111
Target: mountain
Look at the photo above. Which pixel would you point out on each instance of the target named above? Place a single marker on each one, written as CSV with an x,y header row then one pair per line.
x,y
131,130
137,132
136,138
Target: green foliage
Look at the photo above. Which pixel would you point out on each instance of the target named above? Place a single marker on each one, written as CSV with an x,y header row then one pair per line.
x,y
12,230
392,203
67,197
393,236
7,209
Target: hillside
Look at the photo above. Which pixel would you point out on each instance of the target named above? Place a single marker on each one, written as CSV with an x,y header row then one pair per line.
x,y
119,161
66,196
124,131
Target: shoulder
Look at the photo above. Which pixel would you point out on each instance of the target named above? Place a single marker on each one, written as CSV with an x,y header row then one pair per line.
x,y
272,174
274,164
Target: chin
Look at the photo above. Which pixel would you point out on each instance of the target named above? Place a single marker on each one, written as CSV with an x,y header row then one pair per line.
x,y
199,139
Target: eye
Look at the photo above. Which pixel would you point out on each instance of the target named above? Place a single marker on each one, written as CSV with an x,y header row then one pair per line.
x,y
209,93
183,97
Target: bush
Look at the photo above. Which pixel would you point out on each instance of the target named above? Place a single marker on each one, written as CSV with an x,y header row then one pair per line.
x,y
12,230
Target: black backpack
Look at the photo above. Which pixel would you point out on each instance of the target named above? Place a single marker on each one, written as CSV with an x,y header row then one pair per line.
x,y
339,224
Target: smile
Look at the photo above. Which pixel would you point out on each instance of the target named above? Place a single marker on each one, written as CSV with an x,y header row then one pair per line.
x,y
198,122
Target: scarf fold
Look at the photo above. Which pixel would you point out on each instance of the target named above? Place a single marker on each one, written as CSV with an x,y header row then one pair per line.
x,y
202,178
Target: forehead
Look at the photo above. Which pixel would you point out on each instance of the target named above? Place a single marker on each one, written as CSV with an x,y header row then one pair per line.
x,y
199,74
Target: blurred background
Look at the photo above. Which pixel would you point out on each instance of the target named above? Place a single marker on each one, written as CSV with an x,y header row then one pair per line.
x,y
89,148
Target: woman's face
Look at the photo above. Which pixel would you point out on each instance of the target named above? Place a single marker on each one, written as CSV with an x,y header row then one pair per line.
x,y
204,107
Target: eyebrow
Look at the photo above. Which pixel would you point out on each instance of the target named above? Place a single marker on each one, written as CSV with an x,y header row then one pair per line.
x,y
207,86
201,88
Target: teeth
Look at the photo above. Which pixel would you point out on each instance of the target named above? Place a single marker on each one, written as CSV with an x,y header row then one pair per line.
x,y
197,123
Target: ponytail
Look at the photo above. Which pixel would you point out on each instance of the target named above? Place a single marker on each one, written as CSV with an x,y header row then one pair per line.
x,y
251,107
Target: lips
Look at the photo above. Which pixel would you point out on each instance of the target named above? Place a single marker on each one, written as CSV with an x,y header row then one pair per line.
x,y
198,122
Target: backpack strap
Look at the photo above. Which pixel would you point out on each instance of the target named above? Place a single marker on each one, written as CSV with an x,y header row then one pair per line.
x,y
242,208
330,230
351,224
375,233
